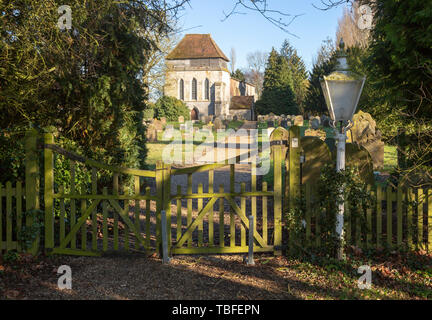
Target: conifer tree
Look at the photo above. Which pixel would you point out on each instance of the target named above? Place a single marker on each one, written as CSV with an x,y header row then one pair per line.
x,y
278,96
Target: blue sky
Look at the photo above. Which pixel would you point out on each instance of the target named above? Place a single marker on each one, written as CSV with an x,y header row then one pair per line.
x,y
251,32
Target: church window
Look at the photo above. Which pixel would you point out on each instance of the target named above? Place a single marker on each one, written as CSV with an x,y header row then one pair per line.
x,y
194,89
181,90
207,89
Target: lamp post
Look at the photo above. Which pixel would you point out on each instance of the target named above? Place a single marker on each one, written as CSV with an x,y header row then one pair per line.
x,y
342,89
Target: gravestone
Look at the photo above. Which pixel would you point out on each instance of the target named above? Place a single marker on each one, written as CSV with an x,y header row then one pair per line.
x,y
181,119
317,154
315,133
235,118
163,121
315,123
365,133
359,157
151,133
218,123
157,124
325,121
298,121
284,123
270,124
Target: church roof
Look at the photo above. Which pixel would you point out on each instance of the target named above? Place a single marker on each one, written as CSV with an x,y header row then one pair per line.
x,y
196,46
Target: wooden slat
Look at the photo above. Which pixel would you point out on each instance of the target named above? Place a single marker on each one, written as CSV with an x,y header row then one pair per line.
x,y
232,215
1,218
189,206
137,224
148,222
389,216
211,213
84,225
264,214
9,218
126,226
410,218
277,188
420,201
115,215
200,224
48,192
221,218
369,221
399,204
379,216
72,203
105,221
94,213
429,220
62,216
254,189
18,211
243,210
179,214
308,212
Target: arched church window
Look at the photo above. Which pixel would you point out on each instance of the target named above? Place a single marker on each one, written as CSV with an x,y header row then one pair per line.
x,y
207,89
181,90
194,89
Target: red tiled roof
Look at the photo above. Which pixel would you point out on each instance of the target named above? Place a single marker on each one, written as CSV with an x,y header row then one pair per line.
x,y
242,102
195,46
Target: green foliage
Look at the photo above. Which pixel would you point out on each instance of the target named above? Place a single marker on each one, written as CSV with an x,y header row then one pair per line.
x,y
149,111
400,66
12,156
28,234
239,75
298,72
328,197
171,108
324,65
278,95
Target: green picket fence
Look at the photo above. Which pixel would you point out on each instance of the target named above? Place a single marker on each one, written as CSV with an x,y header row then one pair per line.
x,y
400,219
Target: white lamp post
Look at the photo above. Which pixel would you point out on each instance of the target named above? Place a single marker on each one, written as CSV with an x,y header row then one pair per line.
x,y
342,89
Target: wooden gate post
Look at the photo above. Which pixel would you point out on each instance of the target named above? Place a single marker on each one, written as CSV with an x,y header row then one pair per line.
x,y
167,202
276,146
294,165
49,192
159,202
32,180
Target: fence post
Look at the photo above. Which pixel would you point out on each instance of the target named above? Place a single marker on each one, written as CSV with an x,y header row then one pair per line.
x,y
294,148
49,192
167,203
276,145
159,202
32,180
165,258
250,261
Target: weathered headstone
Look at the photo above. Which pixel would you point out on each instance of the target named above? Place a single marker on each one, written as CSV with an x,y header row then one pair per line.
x,y
314,123
298,121
157,124
365,133
317,154
315,133
284,123
270,124
181,119
163,120
151,133
218,123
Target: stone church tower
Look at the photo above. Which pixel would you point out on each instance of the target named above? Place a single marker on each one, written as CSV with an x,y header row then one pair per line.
x,y
197,73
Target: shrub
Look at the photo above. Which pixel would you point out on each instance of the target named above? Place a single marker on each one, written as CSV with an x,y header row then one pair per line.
x,y
171,108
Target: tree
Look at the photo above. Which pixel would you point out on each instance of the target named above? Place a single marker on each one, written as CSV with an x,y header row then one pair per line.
x,y
238,75
348,28
85,82
298,71
278,96
171,108
401,64
255,69
323,64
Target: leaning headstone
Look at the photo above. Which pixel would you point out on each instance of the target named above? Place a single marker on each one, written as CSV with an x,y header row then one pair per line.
x,y
181,119
357,156
218,124
314,123
270,124
157,124
235,118
284,124
365,133
325,121
315,133
151,133
298,121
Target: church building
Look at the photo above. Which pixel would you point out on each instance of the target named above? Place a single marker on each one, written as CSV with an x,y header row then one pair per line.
x,y
197,73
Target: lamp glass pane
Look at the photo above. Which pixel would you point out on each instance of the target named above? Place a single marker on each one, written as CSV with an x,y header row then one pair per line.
x,y
342,98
